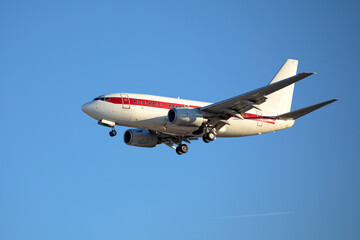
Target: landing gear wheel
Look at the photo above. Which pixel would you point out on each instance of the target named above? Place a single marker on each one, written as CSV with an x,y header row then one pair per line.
x,y
178,151
112,133
182,148
205,139
209,137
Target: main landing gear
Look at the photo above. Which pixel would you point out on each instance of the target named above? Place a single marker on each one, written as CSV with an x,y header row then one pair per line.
x,y
209,137
112,133
182,148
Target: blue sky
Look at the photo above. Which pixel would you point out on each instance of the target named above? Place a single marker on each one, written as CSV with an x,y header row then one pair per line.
x,y
63,177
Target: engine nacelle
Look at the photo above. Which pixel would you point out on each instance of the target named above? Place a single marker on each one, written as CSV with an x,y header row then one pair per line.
x,y
187,117
140,138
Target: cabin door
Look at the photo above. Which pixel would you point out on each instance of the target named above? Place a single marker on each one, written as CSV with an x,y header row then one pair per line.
x,y
125,101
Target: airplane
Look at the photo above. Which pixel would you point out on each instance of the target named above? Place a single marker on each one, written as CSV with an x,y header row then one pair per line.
x,y
172,121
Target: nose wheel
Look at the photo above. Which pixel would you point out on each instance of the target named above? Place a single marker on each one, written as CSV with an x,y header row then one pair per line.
x,y
181,149
112,133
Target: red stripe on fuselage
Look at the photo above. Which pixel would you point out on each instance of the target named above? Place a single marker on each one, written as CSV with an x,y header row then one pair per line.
x,y
168,105
149,103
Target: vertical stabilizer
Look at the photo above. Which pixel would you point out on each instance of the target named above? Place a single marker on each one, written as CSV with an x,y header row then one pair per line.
x,y
279,102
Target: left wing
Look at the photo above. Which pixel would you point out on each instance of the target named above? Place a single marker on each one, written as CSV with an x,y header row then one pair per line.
x,y
219,113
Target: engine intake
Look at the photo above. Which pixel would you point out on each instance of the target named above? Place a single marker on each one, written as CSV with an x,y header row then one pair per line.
x,y
140,138
187,117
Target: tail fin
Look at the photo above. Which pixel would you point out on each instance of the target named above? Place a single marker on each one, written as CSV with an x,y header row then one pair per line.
x,y
279,102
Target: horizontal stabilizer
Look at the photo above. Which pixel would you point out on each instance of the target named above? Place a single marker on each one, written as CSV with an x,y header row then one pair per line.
x,y
303,111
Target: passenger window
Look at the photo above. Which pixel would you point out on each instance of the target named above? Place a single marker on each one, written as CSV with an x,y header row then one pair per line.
x,y
154,103
145,102
161,104
142,102
169,105
157,104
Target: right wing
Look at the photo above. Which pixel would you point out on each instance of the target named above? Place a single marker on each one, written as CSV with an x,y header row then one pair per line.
x,y
219,113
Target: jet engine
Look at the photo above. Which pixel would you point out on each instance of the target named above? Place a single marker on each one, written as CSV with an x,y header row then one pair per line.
x,y
186,117
140,138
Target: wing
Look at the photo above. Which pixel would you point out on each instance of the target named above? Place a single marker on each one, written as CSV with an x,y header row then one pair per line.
x,y
219,113
170,140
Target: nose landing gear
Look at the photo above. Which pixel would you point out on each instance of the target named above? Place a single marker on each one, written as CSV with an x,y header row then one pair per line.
x,y
112,133
107,123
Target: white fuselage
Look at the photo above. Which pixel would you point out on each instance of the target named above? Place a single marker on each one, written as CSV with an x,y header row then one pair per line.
x,y
150,112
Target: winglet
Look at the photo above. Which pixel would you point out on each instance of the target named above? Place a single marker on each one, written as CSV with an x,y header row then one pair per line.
x,y
303,111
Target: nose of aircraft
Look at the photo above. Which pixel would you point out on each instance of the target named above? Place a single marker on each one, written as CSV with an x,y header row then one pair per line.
x,y
90,109
86,107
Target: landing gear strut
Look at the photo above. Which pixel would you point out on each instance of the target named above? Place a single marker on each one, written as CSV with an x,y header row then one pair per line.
x,y
182,148
112,133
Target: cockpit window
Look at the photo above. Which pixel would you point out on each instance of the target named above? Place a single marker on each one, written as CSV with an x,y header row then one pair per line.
x,y
102,98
